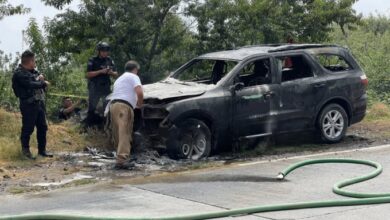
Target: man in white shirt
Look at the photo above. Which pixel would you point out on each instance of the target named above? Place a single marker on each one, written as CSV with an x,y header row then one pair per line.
x,y
127,95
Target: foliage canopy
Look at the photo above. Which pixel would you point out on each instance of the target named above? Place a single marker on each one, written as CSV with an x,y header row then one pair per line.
x,y
163,34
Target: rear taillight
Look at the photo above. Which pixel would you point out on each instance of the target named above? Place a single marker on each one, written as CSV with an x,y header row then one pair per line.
x,y
364,80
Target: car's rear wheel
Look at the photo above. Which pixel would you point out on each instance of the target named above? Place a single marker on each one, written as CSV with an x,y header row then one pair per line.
x,y
333,123
192,140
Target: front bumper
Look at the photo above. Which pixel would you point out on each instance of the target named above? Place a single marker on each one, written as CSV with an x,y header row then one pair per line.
x,y
154,121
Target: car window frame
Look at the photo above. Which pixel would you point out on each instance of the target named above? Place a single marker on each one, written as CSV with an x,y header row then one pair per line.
x,y
307,58
236,71
335,54
187,64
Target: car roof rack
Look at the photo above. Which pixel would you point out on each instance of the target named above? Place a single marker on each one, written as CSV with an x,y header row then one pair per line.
x,y
262,45
287,47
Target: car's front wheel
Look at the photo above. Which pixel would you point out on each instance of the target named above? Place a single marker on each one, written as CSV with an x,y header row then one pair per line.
x,y
333,123
192,140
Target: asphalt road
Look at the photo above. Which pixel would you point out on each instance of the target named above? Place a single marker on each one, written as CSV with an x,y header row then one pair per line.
x,y
232,186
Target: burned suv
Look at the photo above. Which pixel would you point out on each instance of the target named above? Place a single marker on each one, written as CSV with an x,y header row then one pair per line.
x,y
255,91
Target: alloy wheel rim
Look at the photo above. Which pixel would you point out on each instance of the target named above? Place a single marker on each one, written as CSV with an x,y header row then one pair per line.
x,y
194,145
186,148
199,146
333,124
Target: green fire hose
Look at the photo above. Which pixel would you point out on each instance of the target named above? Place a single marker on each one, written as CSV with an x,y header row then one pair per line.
x,y
359,198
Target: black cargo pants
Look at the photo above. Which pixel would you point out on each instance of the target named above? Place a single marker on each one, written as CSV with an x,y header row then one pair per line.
x,y
33,115
96,92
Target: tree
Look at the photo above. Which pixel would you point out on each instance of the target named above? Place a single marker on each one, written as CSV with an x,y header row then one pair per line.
x,y
370,44
226,23
215,24
344,15
155,34
7,9
37,43
378,25
134,32
59,4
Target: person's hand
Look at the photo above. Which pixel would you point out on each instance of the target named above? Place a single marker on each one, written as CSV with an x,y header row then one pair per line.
x,y
106,71
41,77
47,83
102,71
112,73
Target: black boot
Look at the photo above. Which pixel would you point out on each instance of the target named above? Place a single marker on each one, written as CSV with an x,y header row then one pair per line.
x,y
26,153
45,154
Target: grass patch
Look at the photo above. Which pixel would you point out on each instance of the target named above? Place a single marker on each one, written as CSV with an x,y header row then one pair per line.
x,y
62,137
81,182
378,112
19,190
10,124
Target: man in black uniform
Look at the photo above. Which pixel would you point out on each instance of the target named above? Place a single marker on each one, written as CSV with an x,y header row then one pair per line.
x,y
29,86
99,71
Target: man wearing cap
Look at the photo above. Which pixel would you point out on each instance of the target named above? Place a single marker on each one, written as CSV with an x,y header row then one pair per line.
x,y
99,70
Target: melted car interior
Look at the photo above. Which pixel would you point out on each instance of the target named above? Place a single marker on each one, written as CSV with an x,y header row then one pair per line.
x,y
333,63
205,71
256,73
294,67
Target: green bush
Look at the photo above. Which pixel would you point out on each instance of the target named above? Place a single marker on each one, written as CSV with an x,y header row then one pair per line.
x,y
370,44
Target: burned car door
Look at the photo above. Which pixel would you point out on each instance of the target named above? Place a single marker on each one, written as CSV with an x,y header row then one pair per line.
x,y
254,97
300,92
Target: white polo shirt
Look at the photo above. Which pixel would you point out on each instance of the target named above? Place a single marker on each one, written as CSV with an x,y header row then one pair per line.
x,y
124,88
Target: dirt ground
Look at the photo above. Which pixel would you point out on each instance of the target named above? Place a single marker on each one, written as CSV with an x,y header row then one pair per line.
x,y
92,166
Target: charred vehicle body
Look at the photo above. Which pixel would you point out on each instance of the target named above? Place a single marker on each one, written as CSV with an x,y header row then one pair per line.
x,y
255,91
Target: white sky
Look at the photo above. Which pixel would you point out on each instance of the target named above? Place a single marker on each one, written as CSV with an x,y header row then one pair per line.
x,y
11,27
11,39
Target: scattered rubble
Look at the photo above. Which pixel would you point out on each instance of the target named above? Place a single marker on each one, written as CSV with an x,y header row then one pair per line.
x,y
6,177
64,181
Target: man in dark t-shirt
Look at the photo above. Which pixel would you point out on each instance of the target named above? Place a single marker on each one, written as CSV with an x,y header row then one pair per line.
x,y
68,109
99,70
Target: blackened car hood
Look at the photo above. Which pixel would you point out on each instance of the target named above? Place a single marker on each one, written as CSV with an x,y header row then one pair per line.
x,y
173,88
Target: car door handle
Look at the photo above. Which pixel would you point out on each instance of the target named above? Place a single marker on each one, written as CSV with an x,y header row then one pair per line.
x,y
319,85
269,94
252,97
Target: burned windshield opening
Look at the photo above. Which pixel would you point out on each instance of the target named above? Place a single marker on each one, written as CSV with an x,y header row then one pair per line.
x,y
206,71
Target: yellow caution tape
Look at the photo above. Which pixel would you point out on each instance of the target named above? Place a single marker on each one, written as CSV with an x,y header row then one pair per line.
x,y
66,95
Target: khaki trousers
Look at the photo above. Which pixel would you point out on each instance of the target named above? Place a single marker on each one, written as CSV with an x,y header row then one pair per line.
x,y
122,118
